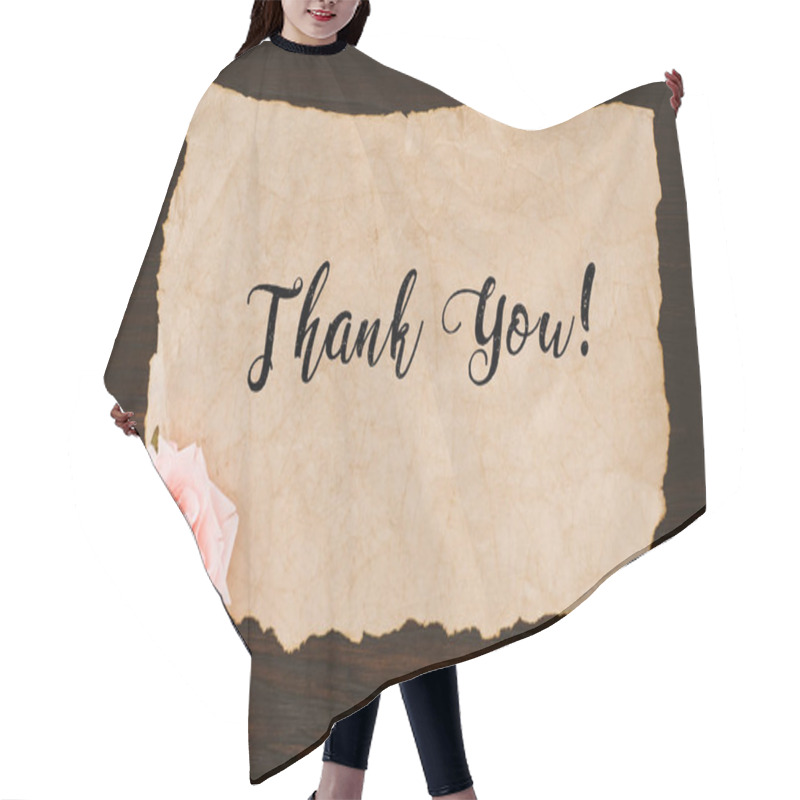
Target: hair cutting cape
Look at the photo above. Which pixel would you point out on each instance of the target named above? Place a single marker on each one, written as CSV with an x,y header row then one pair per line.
x,y
418,380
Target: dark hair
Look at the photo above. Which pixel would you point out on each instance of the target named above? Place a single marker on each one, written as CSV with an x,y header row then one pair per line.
x,y
266,18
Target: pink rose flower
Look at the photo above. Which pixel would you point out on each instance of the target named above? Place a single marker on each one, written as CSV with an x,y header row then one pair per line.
x,y
211,515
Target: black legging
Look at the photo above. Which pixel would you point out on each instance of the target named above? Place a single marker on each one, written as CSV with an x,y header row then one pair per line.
x,y
432,706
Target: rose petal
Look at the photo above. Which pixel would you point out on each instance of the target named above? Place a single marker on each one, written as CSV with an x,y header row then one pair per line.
x,y
211,515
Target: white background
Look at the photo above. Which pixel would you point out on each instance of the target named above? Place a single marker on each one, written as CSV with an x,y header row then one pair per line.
x,y
121,676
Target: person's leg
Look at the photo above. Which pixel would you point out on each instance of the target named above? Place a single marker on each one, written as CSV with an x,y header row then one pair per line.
x,y
433,710
346,753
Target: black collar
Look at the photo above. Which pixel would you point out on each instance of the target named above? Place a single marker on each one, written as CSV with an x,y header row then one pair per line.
x,y
309,49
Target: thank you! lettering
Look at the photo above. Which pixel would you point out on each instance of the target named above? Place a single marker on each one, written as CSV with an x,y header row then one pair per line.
x,y
494,332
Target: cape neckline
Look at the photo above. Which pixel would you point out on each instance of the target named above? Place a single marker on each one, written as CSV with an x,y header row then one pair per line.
x,y
308,49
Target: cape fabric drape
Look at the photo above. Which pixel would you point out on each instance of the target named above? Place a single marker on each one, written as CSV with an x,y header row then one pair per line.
x,y
418,380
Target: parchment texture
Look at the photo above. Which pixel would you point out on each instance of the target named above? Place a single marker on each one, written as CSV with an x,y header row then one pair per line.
x,y
364,499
